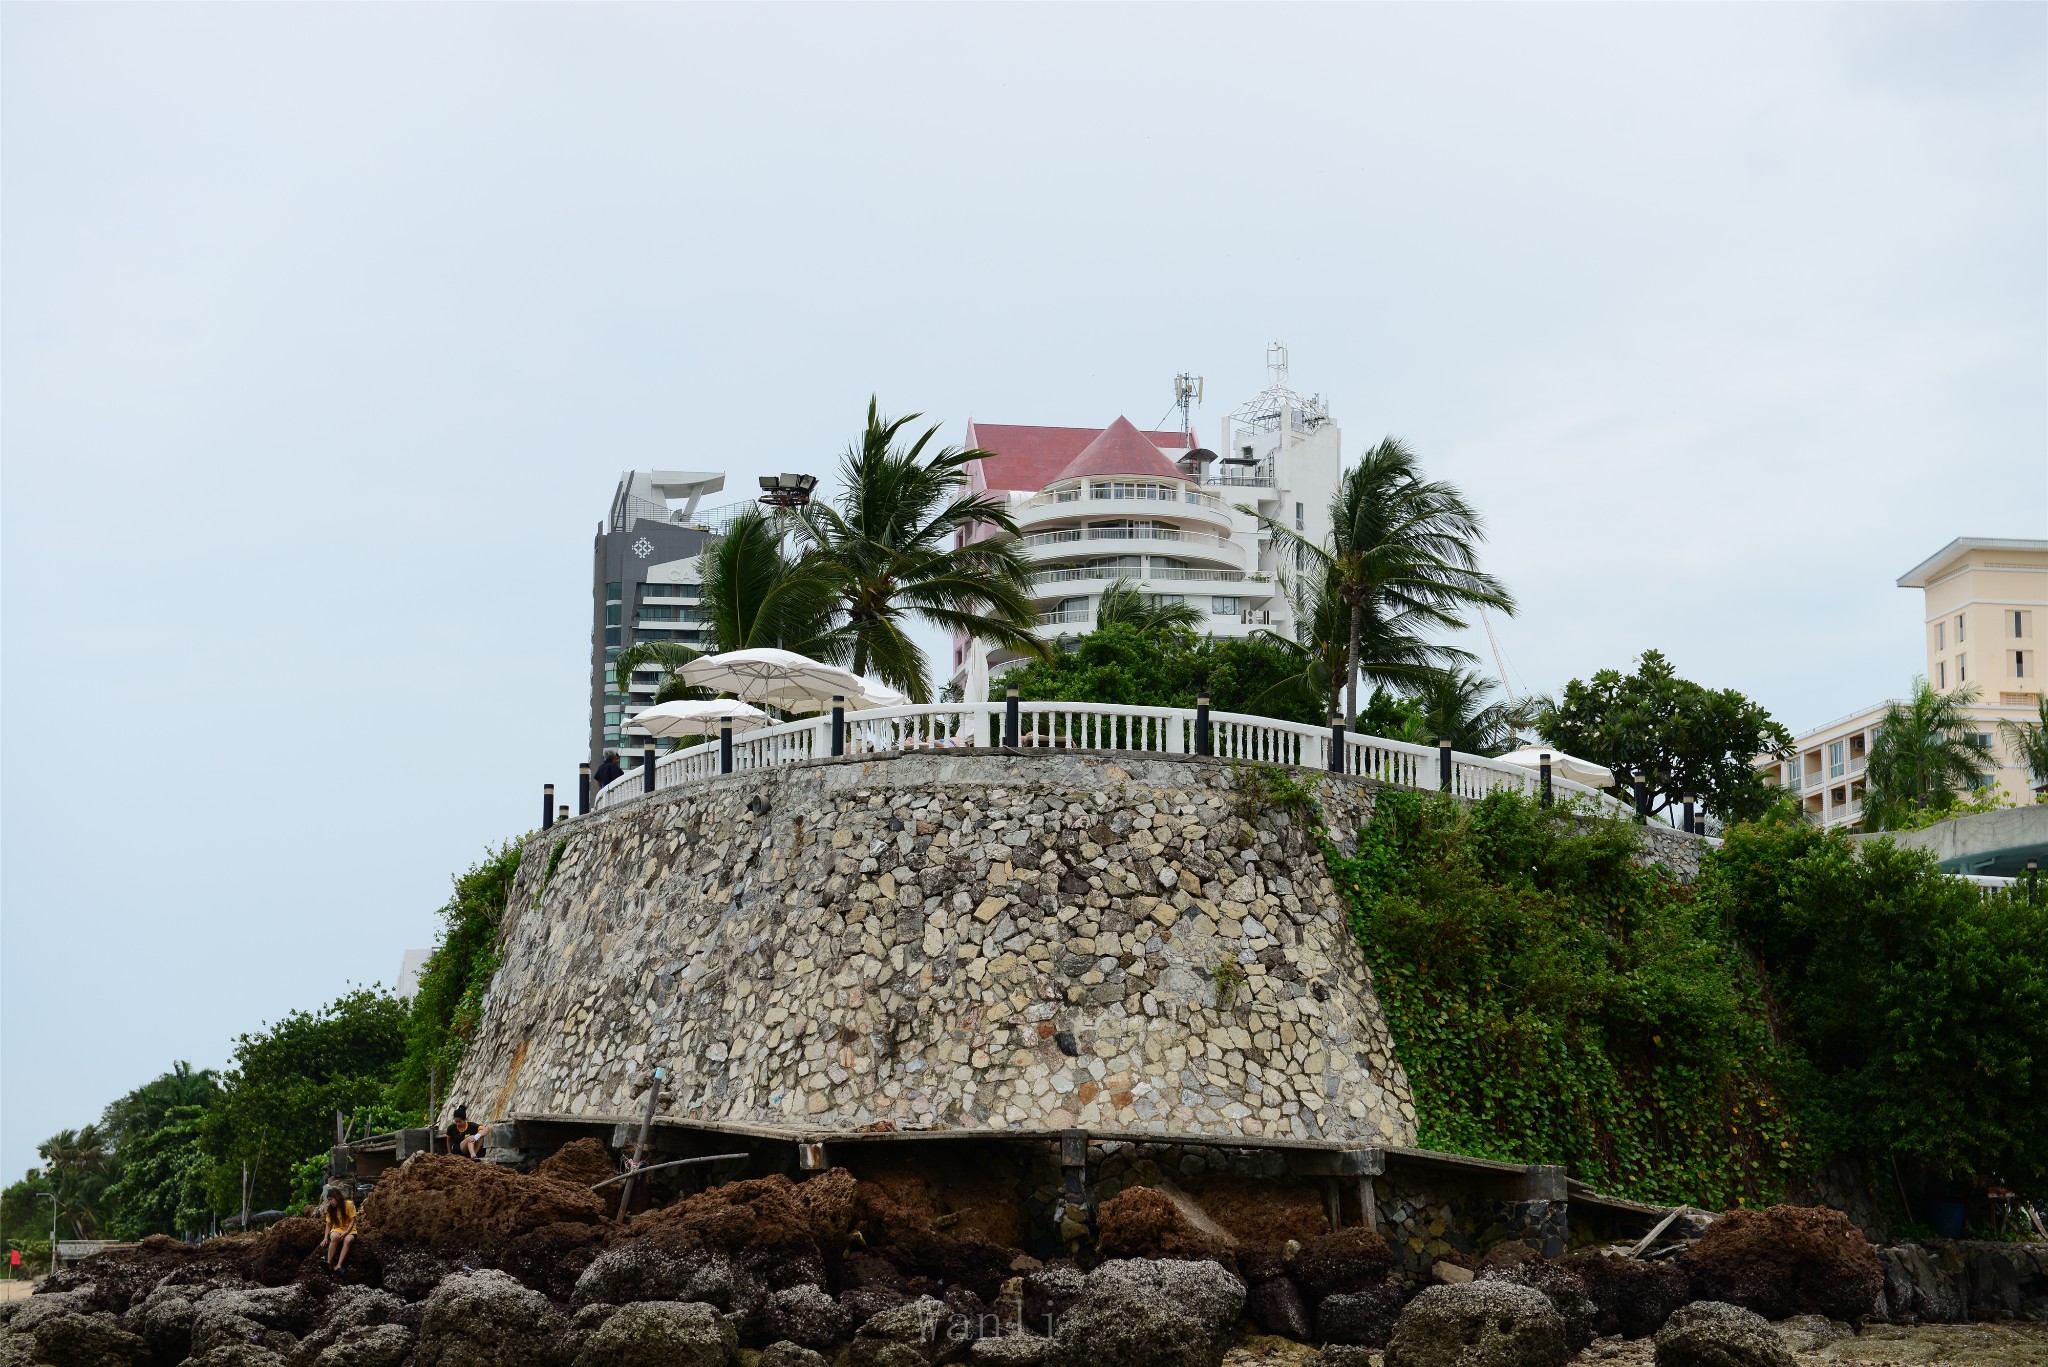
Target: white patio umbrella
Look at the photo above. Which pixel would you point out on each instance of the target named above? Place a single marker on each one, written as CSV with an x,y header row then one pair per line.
x,y
776,678
1561,766
699,717
874,694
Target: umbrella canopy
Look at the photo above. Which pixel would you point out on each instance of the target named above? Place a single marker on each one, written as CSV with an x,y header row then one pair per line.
x,y
874,694
698,717
776,678
1561,766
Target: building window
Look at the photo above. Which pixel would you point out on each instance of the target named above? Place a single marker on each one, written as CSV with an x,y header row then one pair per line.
x,y
611,591
1792,772
2020,624
1941,635
1837,763
1962,669
2019,664
611,636
613,614
1301,517
1941,673
1247,452
1225,606
1959,628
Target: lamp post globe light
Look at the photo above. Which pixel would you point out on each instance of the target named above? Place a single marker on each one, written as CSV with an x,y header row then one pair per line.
x,y
787,490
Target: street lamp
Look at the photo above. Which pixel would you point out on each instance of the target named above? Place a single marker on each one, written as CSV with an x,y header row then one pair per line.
x,y
787,490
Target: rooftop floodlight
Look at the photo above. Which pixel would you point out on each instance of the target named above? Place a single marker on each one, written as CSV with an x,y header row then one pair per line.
x,y
787,490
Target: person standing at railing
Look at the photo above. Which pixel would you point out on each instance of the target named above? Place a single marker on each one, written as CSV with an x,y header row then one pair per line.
x,y
607,770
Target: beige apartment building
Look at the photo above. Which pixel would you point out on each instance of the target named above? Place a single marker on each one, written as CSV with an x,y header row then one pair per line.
x,y
1980,597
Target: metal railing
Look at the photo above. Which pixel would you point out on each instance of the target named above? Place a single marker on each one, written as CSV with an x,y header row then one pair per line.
x,y
1072,534
1098,727
1232,481
1105,572
1062,616
1126,493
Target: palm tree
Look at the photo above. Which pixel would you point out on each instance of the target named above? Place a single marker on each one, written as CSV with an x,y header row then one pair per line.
x,y
755,594
1398,542
1925,754
888,552
79,1167
2028,741
1454,704
1122,605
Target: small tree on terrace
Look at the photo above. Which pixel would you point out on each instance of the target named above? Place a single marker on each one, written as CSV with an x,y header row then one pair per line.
x,y
2028,741
1681,736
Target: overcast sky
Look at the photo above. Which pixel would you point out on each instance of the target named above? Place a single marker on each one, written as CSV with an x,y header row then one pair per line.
x,y
327,331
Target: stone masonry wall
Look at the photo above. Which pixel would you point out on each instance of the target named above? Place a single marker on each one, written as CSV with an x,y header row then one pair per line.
x,y
949,938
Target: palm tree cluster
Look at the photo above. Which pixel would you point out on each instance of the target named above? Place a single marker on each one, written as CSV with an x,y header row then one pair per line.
x,y
1924,757
1401,560
845,580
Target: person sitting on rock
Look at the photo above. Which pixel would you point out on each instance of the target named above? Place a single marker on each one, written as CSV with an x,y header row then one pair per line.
x,y
465,1138
341,1228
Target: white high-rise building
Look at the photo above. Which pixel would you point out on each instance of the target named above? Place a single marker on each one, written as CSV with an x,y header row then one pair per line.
x,y
1098,504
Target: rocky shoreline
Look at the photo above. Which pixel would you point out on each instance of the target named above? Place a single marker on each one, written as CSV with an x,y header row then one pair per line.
x,y
462,1264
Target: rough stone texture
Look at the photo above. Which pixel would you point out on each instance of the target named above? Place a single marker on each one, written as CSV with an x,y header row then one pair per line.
x,y
907,1335
1150,1314
805,1315
1787,1260
1366,1318
1276,1306
1561,1286
1011,1351
661,1334
1946,1280
1716,1334
1478,1324
486,1319
906,939
1342,1355
365,1345
95,1340
787,1354
1631,1297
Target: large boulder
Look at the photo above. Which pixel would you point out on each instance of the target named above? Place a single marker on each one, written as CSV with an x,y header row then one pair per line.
x,y
1787,1260
642,1270
909,1335
432,1198
412,1271
1562,1287
363,1345
94,1340
1150,1314
805,1315
267,1317
661,1334
486,1319
1364,1319
1717,1334
1630,1297
553,1258
279,1252
1345,1262
786,1354
1011,1350
1275,1305
1478,1324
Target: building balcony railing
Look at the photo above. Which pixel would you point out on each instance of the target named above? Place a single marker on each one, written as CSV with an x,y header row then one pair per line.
x,y
1231,479
1064,617
1068,535
1161,573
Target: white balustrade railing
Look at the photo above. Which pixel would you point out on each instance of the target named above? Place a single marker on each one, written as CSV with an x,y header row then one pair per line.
x,y
1233,736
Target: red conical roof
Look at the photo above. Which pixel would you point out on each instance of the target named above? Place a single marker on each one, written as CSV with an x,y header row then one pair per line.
x,y
1121,450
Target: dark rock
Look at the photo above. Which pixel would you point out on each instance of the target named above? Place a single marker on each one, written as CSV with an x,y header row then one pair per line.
x,y
804,1315
863,1303
1811,1333
362,1345
1717,1334
1787,1260
237,1355
786,1354
1562,1287
1276,1306
1049,1293
906,1336
95,1340
661,1334
1630,1297
1014,1350
411,1270
1150,1314
1478,1324
1341,1355
1366,1318
1345,1262
486,1319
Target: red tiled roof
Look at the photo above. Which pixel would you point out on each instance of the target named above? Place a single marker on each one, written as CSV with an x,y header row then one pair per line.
x,y
1122,450
1029,458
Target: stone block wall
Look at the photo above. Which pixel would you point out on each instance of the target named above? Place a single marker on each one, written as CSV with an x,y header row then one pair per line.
x,y
1126,944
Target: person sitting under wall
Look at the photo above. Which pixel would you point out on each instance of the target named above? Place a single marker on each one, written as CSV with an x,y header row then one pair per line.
x,y
464,1137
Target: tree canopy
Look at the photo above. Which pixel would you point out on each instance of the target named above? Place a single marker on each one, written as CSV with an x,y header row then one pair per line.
x,y
1683,737
1130,666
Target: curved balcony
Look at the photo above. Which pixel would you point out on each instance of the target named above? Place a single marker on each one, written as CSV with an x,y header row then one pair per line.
x,y
1076,541
1168,578
1123,500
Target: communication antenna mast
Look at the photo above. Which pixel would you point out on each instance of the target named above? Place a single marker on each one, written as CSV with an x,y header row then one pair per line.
x,y
1187,391
1276,364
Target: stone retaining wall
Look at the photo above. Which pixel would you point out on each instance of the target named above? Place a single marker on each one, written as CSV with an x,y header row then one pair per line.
x,y
1125,944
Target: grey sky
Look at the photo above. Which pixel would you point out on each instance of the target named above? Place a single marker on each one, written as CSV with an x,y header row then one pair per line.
x,y
328,329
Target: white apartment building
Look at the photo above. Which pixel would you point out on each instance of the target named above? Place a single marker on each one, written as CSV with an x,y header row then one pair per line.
x,y
1980,596
1098,504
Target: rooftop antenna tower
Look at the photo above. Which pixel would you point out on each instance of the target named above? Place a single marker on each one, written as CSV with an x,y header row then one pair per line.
x,y
1187,391
1276,365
